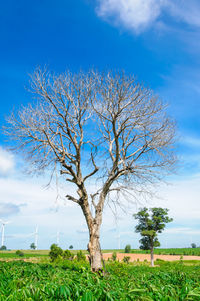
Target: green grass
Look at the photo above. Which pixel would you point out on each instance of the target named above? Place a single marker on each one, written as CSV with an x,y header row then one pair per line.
x,y
170,251
43,253
27,254
73,281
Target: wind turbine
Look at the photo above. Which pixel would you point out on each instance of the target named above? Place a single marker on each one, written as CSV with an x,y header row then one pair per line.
x,y
57,235
3,223
58,238
118,237
36,237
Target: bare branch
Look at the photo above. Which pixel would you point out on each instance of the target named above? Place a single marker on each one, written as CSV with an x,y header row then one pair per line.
x,y
109,120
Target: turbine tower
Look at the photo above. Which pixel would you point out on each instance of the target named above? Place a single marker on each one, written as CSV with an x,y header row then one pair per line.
x,y
58,238
36,238
3,223
118,237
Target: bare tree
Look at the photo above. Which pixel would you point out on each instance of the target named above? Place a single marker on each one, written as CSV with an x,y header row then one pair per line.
x,y
109,120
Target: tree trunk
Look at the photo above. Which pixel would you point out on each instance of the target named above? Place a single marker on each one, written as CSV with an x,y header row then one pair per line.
x,y
94,249
152,258
94,224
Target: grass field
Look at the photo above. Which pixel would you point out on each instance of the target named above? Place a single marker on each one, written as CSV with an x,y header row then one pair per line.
x,y
73,281
171,251
40,253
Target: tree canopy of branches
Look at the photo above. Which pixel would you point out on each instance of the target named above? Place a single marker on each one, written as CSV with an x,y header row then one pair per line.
x,y
94,125
150,223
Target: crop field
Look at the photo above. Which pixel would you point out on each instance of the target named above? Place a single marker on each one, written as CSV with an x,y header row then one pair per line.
x,y
71,280
169,251
172,251
27,254
43,253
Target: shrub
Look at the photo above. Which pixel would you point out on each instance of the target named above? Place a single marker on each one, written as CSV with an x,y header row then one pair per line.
x,y
68,255
114,256
55,252
126,259
70,247
3,248
80,256
19,253
128,249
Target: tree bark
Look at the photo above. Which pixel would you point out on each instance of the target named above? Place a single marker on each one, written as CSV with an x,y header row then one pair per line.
x,y
94,224
94,249
152,258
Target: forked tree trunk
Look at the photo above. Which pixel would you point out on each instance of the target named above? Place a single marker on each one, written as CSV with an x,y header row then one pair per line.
x,y
94,249
152,258
94,224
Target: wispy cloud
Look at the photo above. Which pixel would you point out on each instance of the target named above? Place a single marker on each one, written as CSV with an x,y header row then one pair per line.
x,y
82,231
182,230
6,162
7,209
186,11
191,141
139,15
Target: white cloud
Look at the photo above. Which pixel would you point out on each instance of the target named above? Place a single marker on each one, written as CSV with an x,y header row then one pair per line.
x,y
185,11
191,141
182,198
7,209
139,15
6,162
182,230
133,14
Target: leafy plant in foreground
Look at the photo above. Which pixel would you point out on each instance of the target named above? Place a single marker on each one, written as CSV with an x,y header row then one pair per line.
x,y
73,281
80,256
55,252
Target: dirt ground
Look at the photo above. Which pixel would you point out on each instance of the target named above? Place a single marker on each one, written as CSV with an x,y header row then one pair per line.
x,y
142,257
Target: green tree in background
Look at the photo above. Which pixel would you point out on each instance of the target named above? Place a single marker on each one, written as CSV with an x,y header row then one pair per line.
x,y
32,246
127,249
151,222
3,248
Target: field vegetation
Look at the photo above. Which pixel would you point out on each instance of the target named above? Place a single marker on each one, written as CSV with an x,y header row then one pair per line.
x,y
170,251
73,280
42,253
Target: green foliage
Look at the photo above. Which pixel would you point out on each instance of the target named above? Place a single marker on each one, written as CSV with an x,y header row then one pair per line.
x,y
70,247
150,223
193,245
55,253
3,248
68,255
114,256
127,249
19,253
126,259
73,281
80,256
170,251
32,246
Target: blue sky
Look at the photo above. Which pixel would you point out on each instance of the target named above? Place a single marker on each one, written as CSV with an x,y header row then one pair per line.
x,y
158,41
